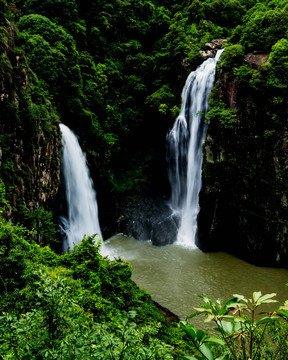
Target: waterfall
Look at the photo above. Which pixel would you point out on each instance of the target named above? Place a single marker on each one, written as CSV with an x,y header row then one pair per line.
x,y
80,216
184,143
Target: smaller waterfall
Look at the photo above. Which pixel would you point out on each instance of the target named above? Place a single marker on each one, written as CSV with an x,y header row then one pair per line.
x,y
184,154
81,211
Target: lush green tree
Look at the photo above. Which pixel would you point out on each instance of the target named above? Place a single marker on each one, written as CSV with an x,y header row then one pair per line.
x,y
226,13
278,61
263,28
61,12
233,56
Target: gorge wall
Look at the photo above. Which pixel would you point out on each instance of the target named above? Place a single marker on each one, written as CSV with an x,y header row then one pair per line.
x,y
29,139
244,196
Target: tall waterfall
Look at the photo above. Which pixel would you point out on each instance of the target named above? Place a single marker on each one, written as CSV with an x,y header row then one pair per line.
x,y
80,217
184,142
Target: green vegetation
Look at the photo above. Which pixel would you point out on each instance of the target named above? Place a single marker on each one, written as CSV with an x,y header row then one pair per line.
x,y
242,334
113,71
73,306
83,306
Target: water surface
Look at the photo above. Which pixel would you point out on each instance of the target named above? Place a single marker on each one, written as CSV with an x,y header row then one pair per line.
x,y
175,276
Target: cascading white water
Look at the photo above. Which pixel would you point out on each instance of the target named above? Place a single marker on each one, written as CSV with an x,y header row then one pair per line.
x,y
184,142
81,213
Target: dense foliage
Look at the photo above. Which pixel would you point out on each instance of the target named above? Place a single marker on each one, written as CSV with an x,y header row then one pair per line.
x,y
83,306
112,71
73,306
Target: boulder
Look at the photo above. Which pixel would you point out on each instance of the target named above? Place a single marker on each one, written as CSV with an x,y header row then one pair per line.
x,y
165,231
137,216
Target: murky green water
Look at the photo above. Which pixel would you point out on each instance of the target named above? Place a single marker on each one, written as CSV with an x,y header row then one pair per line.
x,y
175,276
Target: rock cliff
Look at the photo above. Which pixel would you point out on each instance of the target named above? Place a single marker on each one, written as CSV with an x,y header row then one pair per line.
x,y
244,195
29,133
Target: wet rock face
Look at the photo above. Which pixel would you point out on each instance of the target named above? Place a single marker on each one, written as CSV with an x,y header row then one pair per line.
x,y
243,207
148,219
165,231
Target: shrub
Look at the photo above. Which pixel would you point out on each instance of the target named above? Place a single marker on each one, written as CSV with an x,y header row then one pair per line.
x,y
241,334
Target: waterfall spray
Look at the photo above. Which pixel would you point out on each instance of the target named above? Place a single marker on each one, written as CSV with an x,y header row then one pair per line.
x,y
184,154
81,213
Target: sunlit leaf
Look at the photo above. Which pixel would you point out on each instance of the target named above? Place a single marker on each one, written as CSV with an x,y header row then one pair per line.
x,y
209,318
201,310
240,297
239,319
265,299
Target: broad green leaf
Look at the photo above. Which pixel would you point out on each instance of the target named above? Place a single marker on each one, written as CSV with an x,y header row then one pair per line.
x,y
227,326
229,317
266,320
204,348
240,297
195,314
216,340
265,299
224,357
189,329
239,319
283,313
209,318
256,296
201,335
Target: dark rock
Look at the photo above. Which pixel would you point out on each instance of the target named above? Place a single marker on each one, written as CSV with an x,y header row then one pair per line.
x,y
243,207
168,315
141,217
165,231
254,60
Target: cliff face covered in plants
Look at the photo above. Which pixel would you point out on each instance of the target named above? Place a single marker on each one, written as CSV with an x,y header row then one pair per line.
x,y
244,196
113,72
29,138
